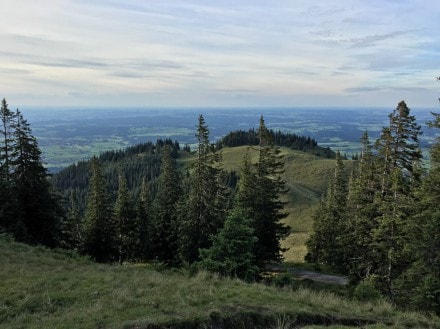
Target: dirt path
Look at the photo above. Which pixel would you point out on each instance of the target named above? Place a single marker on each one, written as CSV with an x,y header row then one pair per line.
x,y
315,276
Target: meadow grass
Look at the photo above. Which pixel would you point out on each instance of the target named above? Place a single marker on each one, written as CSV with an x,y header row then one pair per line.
x,y
41,288
307,178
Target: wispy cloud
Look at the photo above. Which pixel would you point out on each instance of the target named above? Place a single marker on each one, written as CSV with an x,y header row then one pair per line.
x,y
207,53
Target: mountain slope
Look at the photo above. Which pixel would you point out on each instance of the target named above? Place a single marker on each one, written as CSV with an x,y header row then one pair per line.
x,y
307,177
41,288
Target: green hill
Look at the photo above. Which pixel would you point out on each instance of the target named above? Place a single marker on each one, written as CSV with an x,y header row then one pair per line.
x,y
41,288
307,177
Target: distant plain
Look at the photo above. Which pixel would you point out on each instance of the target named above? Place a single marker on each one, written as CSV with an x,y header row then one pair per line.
x,y
68,135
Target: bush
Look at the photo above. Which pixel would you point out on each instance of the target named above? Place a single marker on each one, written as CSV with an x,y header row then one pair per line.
x,y
366,291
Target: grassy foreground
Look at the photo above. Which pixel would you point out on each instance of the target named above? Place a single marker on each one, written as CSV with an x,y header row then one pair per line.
x,y
41,288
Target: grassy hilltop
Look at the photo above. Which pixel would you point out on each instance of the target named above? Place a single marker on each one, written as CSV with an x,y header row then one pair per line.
x,y
41,288
307,177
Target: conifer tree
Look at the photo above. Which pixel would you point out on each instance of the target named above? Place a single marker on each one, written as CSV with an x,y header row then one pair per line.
x,y
6,131
6,148
331,227
144,210
362,212
399,158
231,253
71,226
267,208
419,286
127,230
164,242
37,211
246,185
203,212
99,226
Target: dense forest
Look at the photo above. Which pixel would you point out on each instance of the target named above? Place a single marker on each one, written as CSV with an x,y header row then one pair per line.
x,y
156,212
379,225
383,219
290,140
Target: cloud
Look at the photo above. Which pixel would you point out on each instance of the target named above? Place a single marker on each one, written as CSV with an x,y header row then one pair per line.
x,y
196,51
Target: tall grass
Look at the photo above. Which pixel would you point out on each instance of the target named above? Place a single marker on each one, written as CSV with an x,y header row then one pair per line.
x,y
42,288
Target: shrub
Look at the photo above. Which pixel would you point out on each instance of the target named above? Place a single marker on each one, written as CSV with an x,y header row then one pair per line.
x,y
366,291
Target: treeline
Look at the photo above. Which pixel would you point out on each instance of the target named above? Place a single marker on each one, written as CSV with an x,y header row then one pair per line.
x,y
202,216
290,140
193,216
136,163
381,225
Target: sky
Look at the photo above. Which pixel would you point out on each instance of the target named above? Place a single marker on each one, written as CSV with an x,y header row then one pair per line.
x,y
189,53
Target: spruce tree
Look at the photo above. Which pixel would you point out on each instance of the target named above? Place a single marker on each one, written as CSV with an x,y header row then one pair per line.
x,y
419,285
6,130
331,227
99,226
231,253
164,239
362,212
71,225
37,210
203,212
399,158
144,217
127,228
6,148
267,207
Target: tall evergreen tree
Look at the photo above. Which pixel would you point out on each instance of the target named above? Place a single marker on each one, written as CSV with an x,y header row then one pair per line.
x,y
204,211
127,228
331,227
267,207
362,212
164,242
419,286
71,225
399,158
38,213
6,148
143,211
6,130
99,226
232,250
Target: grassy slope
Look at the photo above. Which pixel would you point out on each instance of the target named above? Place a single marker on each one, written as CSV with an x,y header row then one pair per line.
x,y
40,288
307,177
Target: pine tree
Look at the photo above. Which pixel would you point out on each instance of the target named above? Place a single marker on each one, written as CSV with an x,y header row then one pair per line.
x,y
419,286
246,183
144,210
127,229
203,212
71,226
399,158
37,215
6,148
329,241
231,253
164,240
362,212
6,131
99,226
267,208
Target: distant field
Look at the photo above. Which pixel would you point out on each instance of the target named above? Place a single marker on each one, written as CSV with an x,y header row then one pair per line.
x,y
69,135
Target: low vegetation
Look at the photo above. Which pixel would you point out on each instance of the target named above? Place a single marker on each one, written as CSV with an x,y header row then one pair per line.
x,y
42,288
